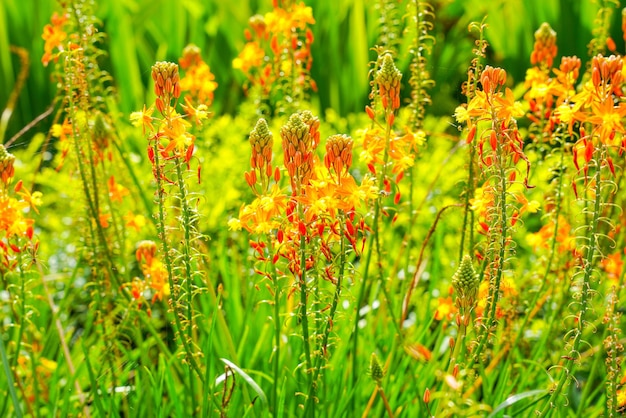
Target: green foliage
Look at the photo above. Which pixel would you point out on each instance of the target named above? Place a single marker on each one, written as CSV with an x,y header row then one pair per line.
x,y
150,284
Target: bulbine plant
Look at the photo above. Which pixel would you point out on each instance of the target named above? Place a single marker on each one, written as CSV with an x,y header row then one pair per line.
x,y
274,257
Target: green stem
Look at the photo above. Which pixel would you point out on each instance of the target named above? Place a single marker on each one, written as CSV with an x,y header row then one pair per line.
x,y
277,329
457,352
9,376
186,224
22,313
366,284
469,194
570,365
304,320
544,279
168,259
501,225
331,316
588,386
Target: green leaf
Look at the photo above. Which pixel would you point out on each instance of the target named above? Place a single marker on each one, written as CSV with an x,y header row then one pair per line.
x,y
511,400
248,380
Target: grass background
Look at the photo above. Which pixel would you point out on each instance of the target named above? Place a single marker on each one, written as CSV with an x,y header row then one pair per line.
x,y
140,32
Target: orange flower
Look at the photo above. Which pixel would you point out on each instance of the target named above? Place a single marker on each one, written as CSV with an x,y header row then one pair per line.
x,y
62,131
199,81
116,191
12,220
543,237
156,274
261,215
250,57
33,199
545,48
613,266
351,195
445,309
103,219
608,119
284,21
53,35
137,222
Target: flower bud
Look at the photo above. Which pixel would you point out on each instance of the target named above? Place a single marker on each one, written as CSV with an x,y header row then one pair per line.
x,y
166,80
376,370
338,154
466,282
6,166
388,79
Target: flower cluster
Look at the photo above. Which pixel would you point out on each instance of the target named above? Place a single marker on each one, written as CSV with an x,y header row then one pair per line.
x,y
392,152
16,229
321,190
198,79
155,279
278,50
53,34
544,49
171,136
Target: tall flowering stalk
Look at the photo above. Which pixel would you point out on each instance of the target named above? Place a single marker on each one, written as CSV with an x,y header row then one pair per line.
x,y
72,43
309,233
299,140
600,112
385,153
18,248
170,151
550,91
499,149
420,25
261,217
469,90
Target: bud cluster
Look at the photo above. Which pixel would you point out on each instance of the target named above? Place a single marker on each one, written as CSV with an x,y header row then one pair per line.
x,y
338,154
606,75
388,79
6,166
300,137
492,79
569,71
261,142
166,83
146,251
376,369
545,47
466,282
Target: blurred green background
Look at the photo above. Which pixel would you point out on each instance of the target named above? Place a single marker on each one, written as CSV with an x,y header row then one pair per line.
x,y
140,32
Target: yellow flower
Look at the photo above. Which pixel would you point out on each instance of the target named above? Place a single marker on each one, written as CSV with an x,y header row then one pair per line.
x,y
61,131
179,139
143,118
282,21
156,274
135,221
533,206
234,224
352,195
445,309
250,57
